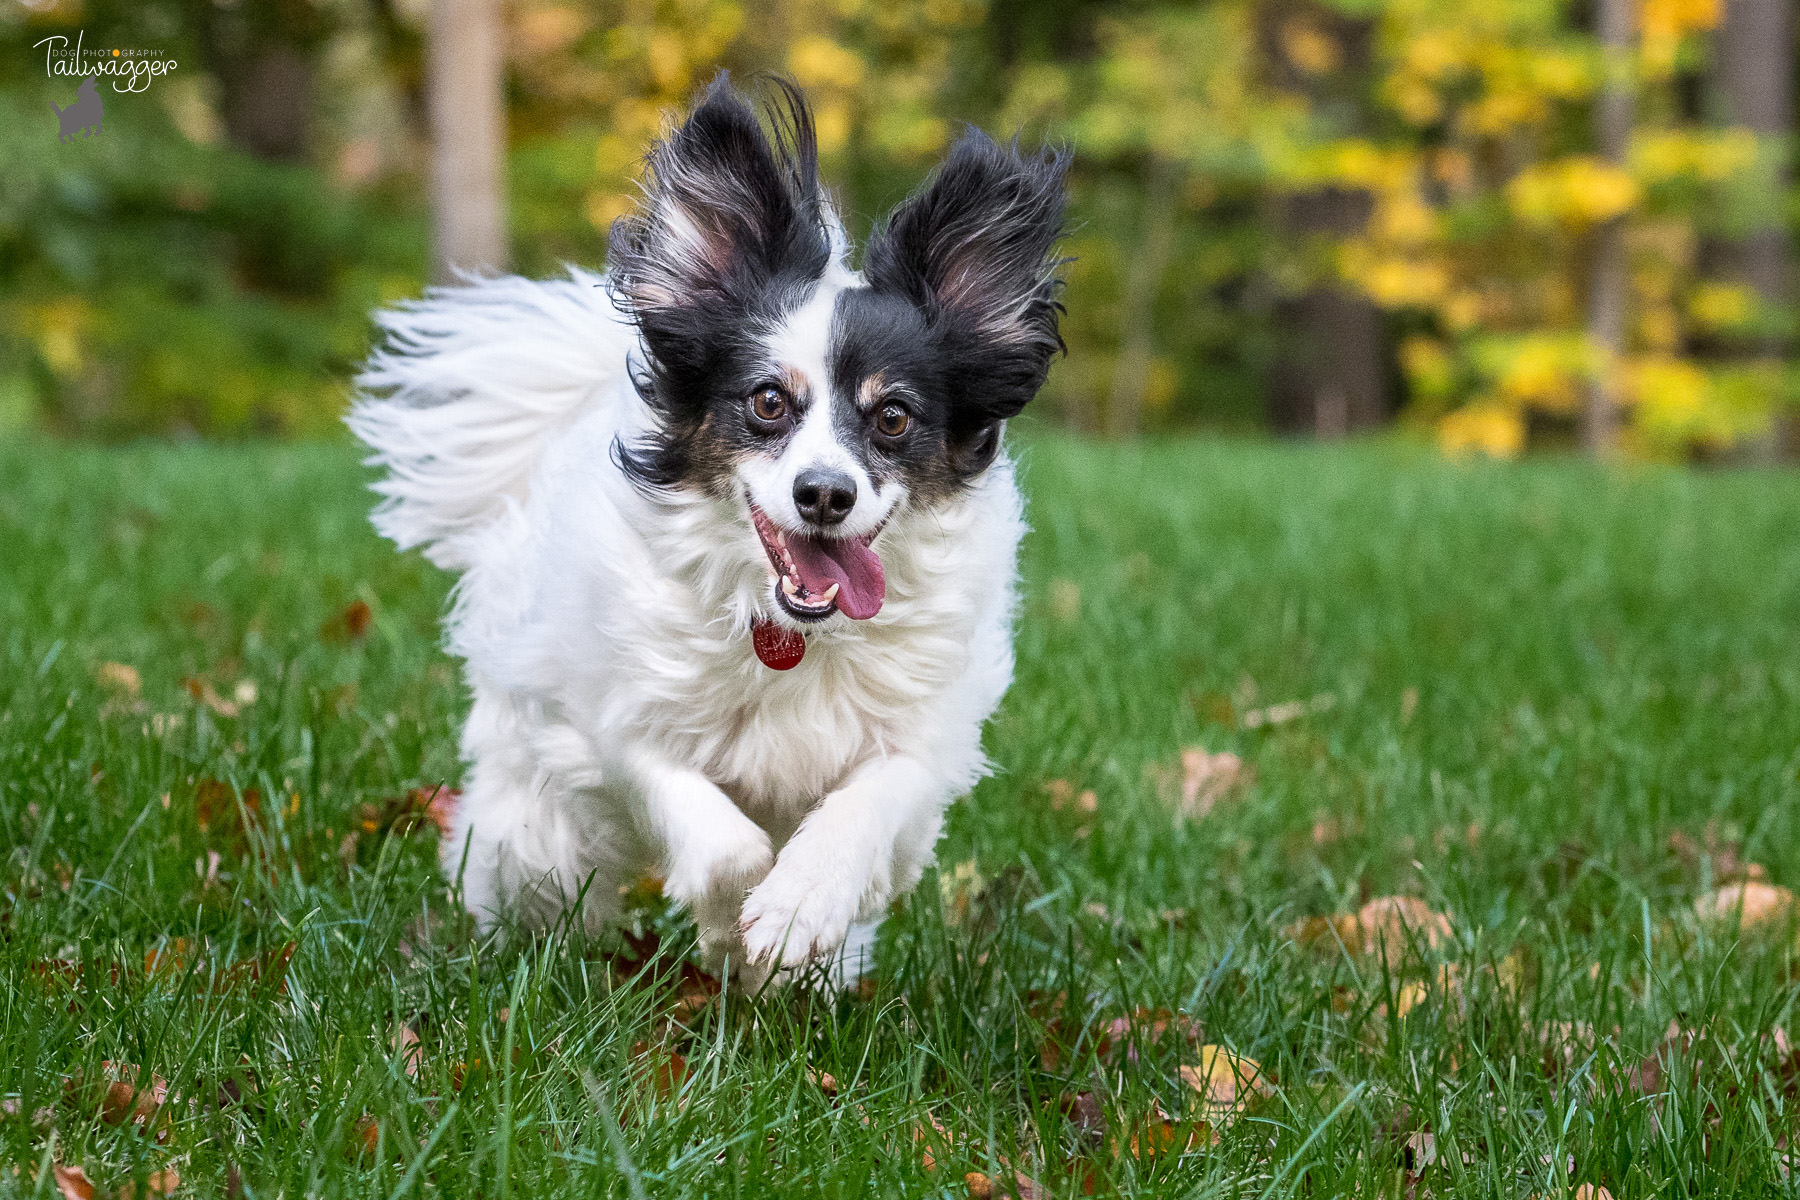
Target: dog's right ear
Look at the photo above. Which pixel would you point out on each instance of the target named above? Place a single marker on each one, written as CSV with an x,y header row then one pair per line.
x,y
727,212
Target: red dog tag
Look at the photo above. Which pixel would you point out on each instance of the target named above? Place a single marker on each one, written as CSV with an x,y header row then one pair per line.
x,y
780,648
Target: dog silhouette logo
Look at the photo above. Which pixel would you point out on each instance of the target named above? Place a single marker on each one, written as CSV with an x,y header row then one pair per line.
x,y
85,114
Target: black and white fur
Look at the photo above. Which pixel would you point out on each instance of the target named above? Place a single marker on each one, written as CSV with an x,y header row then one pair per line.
x,y
587,453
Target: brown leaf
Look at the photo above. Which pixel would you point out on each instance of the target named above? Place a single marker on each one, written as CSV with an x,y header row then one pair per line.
x,y
1143,1027
351,625
216,806
73,1182
159,1183
123,1100
826,1082
203,693
1592,1191
1084,1111
1392,923
1159,1136
1326,932
1207,778
1749,905
667,1070
365,1138
412,1054
120,679
980,1186
1225,1083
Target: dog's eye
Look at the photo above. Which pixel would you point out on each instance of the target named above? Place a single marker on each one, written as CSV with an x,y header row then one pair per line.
x,y
768,405
892,420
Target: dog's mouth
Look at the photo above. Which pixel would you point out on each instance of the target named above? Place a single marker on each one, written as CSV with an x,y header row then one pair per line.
x,y
815,576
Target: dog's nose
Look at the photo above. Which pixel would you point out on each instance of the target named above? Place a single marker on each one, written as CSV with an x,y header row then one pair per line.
x,y
824,497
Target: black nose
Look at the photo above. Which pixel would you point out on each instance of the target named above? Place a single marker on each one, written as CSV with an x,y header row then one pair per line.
x,y
824,497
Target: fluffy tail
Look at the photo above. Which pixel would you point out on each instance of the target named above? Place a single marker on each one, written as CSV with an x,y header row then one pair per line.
x,y
471,383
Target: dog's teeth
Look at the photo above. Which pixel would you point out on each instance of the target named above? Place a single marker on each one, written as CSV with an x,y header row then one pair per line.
x,y
787,585
829,596
781,538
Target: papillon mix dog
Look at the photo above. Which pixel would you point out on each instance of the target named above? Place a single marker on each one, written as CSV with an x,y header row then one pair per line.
x,y
736,532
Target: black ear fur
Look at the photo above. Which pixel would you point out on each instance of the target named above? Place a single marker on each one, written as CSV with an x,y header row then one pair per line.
x,y
974,250
733,229
728,213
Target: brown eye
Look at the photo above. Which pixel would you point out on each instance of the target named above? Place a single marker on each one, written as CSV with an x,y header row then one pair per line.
x,y
892,420
768,405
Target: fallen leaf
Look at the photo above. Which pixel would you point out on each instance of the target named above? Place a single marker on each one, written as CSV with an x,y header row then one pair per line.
x,y
216,805
412,1054
1393,922
1592,1191
1084,1111
1207,778
1291,710
959,890
351,625
123,1100
1159,1135
1143,1027
73,1182
1225,1083
979,1185
1419,1152
365,1139
120,679
1751,904
158,1183
825,1081
202,692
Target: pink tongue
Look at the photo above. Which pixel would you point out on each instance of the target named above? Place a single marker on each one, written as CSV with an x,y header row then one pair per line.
x,y
847,562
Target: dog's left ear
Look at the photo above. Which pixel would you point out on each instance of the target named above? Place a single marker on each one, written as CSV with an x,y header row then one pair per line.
x,y
974,250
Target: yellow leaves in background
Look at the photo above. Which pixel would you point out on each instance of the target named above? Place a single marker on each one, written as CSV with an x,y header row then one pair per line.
x,y
1705,155
1483,427
819,62
1664,23
1577,191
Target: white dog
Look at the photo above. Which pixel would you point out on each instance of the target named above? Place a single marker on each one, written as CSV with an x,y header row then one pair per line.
x,y
736,532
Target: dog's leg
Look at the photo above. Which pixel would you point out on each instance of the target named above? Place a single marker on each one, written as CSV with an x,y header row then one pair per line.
x,y
712,853
864,843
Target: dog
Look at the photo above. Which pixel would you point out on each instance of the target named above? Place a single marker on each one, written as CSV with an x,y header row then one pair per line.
x,y
736,532
83,116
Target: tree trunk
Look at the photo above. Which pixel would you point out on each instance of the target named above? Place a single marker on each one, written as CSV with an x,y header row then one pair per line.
x,y
1137,313
1754,50
1609,273
1753,80
1332,377
466,101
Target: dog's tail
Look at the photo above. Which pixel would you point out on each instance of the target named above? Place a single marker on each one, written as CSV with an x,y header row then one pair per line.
x,y
471,382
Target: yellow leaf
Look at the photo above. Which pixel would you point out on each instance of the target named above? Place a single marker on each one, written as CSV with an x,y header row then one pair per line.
x,y
1751,904
1225,1083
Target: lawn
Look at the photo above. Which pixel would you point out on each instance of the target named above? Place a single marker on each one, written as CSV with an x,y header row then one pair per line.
x,y
1558,705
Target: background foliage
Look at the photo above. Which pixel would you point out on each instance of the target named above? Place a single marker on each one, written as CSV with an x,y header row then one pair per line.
x,y
1250,174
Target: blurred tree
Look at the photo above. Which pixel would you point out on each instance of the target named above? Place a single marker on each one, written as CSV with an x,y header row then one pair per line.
x,y
1608,281
467,107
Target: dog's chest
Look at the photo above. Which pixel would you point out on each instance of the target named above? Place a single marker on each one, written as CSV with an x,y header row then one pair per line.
x,y
784,739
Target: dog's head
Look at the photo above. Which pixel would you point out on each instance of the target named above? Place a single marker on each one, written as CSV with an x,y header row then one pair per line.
x,y
824,401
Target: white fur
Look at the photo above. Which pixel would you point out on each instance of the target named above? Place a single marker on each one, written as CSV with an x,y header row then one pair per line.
x,y
621,722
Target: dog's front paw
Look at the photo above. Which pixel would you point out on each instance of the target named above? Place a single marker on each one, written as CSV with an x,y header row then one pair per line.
x,y
795,916
711,878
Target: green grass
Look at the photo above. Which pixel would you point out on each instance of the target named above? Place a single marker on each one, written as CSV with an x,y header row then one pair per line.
x,y
1563,705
